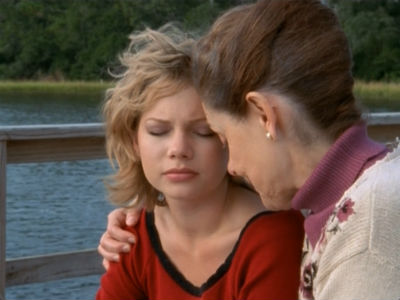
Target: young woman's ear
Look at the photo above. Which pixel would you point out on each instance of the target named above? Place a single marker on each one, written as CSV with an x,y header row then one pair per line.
x,y
261,106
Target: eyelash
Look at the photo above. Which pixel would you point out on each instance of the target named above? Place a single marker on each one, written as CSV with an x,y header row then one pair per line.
x,y
208,134
205,135
157,133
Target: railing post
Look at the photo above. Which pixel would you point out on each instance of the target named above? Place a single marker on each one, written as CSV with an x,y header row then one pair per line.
x,y
3,168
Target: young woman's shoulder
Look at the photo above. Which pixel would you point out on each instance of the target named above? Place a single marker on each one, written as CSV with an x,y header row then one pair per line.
x,y
123,279
282,224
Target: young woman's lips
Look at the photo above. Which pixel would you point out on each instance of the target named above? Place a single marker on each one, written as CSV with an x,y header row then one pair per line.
x,y
178,175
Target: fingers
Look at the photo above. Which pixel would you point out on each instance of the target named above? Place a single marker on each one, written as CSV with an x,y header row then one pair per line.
x,y
106,264
116,221
120,235
109,249
110,246
116,218
117,240
108,256
132,216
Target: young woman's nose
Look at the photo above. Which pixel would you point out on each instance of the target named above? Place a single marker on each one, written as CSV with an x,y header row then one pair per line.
x,y
180,146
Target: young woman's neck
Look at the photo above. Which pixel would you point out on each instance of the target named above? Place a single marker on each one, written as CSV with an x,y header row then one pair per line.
x,y
196,217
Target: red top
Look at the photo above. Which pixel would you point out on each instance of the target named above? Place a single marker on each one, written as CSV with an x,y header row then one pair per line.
x,y
264,264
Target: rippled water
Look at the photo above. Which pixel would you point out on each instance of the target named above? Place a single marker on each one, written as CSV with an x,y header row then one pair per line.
x,y
43,109
57,206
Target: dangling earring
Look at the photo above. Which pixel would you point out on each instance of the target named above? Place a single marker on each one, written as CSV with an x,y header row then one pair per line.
x,y
161,200
268,135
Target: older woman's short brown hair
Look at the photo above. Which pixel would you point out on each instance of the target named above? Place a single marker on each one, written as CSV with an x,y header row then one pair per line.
x,y
156,65
292,47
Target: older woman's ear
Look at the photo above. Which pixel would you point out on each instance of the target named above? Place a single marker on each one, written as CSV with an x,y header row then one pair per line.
x,y
261,107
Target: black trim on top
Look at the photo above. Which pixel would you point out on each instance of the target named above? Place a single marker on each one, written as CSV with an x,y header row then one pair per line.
x,y
175,273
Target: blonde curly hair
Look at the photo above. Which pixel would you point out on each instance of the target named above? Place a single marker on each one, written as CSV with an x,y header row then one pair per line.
x,y
156,64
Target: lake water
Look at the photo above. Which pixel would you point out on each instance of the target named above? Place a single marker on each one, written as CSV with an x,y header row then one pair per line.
x,y
54,207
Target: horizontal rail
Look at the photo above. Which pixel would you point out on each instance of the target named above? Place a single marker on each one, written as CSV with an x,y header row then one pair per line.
x,y
46,147
384,118
40,132
383,127
84,130
44,143
56,149
53,267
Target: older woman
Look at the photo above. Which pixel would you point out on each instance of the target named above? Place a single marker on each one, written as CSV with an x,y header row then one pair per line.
x,y
277,86
278,89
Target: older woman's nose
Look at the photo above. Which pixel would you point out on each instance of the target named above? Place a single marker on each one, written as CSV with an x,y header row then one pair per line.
x,y
231,168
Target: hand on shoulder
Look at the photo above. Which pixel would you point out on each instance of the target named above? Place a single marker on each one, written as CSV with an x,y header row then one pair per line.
x,y
115,239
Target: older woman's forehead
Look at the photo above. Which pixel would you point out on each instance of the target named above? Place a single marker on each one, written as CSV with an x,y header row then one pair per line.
x,y
215,119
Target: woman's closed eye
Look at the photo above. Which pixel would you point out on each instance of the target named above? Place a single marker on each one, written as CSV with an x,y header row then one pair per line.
x,y
164,129
158,130
204,131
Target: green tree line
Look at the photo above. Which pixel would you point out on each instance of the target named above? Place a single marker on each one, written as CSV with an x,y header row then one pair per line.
x,y
373,30
81,39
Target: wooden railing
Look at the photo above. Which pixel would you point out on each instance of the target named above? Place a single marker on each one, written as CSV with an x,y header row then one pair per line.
x,y
42,143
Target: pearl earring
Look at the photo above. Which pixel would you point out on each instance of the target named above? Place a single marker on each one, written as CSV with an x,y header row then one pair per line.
x,y
268,135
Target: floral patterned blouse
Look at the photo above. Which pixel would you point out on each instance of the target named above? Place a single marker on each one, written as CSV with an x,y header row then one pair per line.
x,y
357,255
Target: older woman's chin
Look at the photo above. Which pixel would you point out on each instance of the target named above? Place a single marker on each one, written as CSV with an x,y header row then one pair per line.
x,y
278,201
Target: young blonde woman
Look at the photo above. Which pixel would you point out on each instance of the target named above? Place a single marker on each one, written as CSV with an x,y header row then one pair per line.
x,y
201,236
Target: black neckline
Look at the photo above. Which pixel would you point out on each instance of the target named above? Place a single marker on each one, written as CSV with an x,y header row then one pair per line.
x,y
175,274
